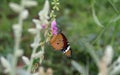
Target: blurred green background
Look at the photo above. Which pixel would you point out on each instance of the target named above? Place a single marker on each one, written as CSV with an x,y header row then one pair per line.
x,y
77,22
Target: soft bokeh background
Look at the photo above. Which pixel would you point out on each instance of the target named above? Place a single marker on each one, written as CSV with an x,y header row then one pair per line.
x,y
76,21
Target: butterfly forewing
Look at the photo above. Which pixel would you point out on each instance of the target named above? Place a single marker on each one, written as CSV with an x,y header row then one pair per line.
x,y
57,42
64,41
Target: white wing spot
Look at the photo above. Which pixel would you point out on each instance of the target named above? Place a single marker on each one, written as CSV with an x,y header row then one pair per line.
x,y
68,48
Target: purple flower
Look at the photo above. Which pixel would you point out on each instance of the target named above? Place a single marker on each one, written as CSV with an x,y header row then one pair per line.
x,y
54,28
43,26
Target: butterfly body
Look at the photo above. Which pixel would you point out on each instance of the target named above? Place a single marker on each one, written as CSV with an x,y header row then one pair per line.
x,y
60,43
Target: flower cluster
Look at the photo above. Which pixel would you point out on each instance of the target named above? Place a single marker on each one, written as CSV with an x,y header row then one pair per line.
x,y
41,23
17,29
105,61
55,4
54,28
106,67
43,20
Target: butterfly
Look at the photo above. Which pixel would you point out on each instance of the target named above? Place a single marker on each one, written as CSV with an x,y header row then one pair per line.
x,y
59,43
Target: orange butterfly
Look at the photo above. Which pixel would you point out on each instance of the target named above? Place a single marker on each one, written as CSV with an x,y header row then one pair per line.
x,y
60,43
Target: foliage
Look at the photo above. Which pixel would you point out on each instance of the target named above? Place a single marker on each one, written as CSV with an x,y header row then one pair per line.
x,y
80,21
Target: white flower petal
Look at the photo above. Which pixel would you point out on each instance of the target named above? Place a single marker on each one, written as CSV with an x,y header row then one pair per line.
x,y
15,7
34,45
116,67
116,70
5,64
46,6
17,27
44,13
24,14
29,3
36,21
26,60
19,52
32,30
38,54
38,27
108,55
118,60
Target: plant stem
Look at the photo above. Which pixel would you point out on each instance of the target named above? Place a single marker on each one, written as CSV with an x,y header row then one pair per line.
x,y
114,34
31,60
91,51
17,46
113,6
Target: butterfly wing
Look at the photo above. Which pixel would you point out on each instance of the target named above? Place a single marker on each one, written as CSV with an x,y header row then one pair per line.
x,y
68,53
57,42
66,49
64,40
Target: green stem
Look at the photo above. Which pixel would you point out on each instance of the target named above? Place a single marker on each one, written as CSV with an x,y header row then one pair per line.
x,y
31,60
95,18
17,45
114,34
100,34
113,6
91,51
